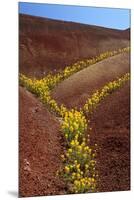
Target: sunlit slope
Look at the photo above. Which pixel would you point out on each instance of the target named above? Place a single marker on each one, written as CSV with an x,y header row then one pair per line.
x,y
39,148
76,89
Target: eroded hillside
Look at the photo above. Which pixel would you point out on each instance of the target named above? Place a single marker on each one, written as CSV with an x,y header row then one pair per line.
x,y
48,45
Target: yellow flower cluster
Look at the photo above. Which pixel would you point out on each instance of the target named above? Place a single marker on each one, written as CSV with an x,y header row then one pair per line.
x,y
49,82
42,89
74,124
69,70
79,152
79,169
78,159
84,185
98,96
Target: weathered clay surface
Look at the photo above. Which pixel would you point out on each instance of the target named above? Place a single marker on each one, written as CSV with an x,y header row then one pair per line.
x,y
40,147
75,90
48,45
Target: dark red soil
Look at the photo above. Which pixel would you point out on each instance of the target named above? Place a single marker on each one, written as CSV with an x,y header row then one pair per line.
x,y
47,45
110,122
75,90
40,147
111,131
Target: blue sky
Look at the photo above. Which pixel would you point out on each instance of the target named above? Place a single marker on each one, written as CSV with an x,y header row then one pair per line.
x,y
106,17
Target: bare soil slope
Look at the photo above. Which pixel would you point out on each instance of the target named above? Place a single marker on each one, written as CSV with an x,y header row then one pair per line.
x,y
111,131
40,147
47,45
75,90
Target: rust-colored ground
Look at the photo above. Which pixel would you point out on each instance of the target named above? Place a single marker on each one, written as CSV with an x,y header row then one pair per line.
x,y
47,45
110,122
40,147
75,90
111,131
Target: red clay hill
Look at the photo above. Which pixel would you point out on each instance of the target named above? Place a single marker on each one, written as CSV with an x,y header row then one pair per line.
x,y
48,45
75,90
39,148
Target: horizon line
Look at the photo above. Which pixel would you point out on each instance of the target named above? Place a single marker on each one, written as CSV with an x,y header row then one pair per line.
x,y
77,22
